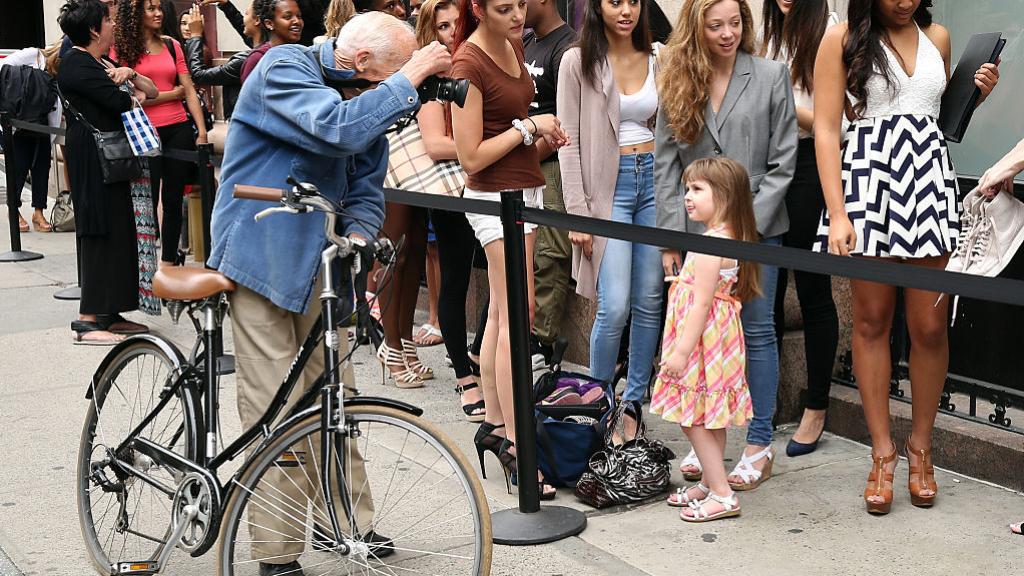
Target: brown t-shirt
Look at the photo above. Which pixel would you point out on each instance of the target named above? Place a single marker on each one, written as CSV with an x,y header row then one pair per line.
x,y
505,99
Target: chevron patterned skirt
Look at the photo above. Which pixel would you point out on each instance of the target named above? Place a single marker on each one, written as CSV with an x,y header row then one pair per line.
x,y
900,189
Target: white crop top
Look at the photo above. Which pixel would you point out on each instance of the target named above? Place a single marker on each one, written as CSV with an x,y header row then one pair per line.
x,y
636,109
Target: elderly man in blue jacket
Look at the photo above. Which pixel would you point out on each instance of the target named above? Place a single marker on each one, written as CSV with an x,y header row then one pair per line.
x,y
289,122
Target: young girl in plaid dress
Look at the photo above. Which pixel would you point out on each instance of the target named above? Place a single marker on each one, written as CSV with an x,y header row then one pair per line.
x,y
702,384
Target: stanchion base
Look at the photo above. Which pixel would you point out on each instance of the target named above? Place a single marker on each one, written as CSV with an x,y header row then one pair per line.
x,y
552,523
69,293
20,256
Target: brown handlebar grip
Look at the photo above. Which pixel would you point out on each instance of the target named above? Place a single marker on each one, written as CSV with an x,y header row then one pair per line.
x,y
258,193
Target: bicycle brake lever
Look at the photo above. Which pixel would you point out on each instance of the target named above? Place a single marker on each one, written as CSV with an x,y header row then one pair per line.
x,y
264,213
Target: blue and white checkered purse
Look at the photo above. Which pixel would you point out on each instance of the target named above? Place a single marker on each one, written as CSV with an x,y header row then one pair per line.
x,y
142,135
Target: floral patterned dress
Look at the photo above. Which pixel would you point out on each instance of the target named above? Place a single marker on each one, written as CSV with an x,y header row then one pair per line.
x,y
713,392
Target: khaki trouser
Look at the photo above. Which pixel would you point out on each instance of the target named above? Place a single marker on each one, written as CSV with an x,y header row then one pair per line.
x,y
267,338
552,262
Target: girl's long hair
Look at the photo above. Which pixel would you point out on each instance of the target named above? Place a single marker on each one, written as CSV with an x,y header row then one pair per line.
x,y
172,21
467,23
863,53
338,13
734,207
427,21
129,34
797,35
683,83
593,43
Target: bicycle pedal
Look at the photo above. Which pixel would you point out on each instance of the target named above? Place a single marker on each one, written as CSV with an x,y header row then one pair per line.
x,y
142,568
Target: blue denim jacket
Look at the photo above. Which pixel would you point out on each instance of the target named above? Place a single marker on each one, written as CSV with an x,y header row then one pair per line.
x,y
288,122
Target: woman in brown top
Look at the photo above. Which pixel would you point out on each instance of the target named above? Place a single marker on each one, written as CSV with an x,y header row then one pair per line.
x,y
494,138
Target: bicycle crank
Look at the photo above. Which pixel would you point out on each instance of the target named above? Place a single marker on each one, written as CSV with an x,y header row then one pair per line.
x,y
150,567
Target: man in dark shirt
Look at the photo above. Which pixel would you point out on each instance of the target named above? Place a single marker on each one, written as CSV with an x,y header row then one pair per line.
x,y
544,46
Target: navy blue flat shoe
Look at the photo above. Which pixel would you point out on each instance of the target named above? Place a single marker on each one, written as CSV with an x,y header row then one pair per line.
x,y
794,448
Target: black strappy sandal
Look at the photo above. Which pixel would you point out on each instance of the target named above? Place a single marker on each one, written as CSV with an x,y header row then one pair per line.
x,y
475,412
508,462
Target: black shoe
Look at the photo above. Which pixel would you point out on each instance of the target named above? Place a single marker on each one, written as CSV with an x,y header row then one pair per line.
x,y
380,546
794,448
291,569
540,353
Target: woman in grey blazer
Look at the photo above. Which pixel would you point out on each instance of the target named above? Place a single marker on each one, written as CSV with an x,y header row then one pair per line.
x,y
719,100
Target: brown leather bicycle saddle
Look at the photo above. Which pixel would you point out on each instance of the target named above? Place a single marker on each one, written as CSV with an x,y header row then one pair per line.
x,y
180,283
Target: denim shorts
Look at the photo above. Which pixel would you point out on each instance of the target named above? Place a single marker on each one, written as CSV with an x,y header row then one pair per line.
x,y
488,228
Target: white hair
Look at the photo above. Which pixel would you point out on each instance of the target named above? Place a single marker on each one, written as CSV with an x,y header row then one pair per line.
x,y
378,32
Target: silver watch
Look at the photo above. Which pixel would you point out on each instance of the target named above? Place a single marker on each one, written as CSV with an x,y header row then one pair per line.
x,y
521,126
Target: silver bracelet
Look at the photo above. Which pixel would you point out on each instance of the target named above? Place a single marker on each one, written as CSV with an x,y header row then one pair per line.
x,y
521,126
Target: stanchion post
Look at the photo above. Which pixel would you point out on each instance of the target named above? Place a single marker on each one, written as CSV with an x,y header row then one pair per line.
x,y
207,185
530,524
13,196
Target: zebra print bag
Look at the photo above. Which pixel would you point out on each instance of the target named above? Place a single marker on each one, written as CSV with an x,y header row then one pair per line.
x,y
623,473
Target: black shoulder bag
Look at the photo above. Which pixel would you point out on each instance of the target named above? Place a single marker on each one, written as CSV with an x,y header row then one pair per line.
x,y
117,160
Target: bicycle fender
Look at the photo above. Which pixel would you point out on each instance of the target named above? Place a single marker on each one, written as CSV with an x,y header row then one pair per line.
x,y
388,402
169,349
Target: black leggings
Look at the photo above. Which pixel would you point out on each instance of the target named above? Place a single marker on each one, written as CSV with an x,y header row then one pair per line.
x,y
456,247
169,178
31,154
805,201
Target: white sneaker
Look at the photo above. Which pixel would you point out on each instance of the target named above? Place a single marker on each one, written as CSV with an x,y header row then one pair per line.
x,y
995,232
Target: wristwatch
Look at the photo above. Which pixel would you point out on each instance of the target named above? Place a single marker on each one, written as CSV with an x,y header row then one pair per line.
x,y
521,126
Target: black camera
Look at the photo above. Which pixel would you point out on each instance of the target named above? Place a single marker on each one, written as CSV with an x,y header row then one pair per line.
x,y
444,89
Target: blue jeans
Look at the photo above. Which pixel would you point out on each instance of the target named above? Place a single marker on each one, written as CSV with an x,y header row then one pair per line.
x,y
758,318
638,291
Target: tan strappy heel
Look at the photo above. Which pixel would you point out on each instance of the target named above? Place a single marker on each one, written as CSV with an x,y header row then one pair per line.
x,y
412,360
880,483
393,364
922,477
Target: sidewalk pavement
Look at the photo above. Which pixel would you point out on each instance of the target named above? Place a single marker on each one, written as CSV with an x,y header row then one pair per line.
x,y
808,519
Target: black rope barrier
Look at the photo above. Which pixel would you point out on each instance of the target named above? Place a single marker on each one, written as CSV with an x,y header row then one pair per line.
x,y
1002,290
203,157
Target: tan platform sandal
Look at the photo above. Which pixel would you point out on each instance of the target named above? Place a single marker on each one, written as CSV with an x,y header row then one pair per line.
x,y
922,477
880,484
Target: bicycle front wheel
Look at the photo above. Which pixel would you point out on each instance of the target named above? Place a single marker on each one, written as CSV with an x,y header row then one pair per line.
x,y
417,506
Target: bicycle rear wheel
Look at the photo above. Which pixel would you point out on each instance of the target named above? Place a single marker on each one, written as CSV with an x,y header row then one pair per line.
x,y
419,507
123,519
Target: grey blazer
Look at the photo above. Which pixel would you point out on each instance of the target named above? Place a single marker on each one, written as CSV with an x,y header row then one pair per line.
x,y
756,126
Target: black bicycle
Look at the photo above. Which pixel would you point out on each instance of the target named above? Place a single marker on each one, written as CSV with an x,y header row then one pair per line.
x,y
346,484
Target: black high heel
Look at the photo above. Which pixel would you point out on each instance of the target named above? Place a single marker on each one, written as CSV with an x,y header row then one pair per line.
x,y
485,440
508,462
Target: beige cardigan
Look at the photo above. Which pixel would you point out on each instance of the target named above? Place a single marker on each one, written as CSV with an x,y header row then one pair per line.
x,y
590,162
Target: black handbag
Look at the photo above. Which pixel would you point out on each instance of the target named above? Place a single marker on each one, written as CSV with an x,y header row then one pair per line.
x,y
623,473
117,159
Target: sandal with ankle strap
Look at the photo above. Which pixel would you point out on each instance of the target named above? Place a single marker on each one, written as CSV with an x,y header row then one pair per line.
x,y
474,412
691,460
413,361
680,499
508,461
752,477
880,483
392,357
730,504
922,477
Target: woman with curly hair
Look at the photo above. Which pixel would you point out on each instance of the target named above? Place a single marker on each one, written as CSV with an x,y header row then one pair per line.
x,y
280,22
717,99
139,45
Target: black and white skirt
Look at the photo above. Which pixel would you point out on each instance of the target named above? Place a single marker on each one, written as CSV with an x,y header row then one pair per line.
x,y
900,189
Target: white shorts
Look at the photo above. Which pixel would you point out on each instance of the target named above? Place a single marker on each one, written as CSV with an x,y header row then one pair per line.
x,y
488,228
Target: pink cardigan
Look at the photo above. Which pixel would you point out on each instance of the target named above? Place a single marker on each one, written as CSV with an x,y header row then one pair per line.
x,y
590,163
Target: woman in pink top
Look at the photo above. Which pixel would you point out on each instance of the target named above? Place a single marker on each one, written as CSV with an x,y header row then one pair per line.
x,y
138,44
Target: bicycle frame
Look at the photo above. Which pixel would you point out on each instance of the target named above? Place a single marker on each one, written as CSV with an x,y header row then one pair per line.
x,y
327,388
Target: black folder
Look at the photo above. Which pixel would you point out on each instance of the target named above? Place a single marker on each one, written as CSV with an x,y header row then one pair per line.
x,y
962,94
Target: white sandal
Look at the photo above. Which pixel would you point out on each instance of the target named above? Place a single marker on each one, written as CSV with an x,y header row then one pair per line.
x,y
752,477
428,330
691,460
730,504
680,500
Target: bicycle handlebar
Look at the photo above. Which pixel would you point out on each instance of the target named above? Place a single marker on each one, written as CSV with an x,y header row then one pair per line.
x,y
258,193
